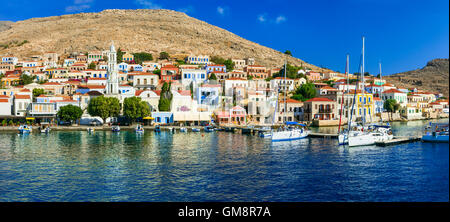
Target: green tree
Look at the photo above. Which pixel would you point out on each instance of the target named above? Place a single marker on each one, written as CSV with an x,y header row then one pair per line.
x,y
212,76
221,61
249,77
165,98
157,71
164,55
229,64
69,113
304,92
92,66
291,72
37,92
391,106
104,107
288,52
120,55
134,107
142,57
26,79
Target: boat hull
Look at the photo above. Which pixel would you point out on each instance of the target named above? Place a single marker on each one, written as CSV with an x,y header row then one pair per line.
x,y
289,135
436,139
363,139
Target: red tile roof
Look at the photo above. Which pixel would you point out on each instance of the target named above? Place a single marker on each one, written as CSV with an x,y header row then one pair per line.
x,y
22,97
319,99
392,91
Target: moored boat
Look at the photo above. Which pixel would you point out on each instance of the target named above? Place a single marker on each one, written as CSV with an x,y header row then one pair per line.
x,y
437,133
139,129
115,128
157,128
195,130
291,131
25,129
44,128
183,129
209,129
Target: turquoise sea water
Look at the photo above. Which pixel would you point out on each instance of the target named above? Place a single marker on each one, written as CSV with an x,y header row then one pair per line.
x,y
218,166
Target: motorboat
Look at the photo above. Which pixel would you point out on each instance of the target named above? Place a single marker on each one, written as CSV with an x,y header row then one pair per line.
x,y
44,128
139,129
195,130
291,131
265,132
437,133
157,129
183,129
90,130
25,129
115,128
209,129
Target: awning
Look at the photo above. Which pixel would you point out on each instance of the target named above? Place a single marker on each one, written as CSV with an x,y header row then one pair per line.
x,y
148,117
29,118
294,123
191,116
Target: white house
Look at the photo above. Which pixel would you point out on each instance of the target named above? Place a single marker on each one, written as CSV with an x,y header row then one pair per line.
x,y
197,76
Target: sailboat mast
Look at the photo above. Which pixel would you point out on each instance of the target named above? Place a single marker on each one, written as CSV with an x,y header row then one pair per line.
x,y
285,93
342,100
381,80
363,83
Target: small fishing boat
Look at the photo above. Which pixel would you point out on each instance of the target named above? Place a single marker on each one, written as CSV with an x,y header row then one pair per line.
x,y
438,133
265,132
139,129
209,129
44,128
157,128
183,130
171,129
195,130
115,129
25,129
90,130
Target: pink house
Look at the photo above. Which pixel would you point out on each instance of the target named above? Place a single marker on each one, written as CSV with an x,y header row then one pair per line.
x,y
237,115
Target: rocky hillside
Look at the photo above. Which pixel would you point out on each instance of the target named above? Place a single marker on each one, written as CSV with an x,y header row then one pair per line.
x,y
134,30
433,77
5,25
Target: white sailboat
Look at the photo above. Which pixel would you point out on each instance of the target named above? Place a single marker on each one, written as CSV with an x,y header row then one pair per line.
x,y
291,130
361,136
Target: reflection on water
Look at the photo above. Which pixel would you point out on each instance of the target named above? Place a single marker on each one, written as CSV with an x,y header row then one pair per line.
x,y
218,166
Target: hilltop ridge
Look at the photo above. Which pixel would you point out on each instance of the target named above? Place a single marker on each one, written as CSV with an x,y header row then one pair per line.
x,y
140,30
433,77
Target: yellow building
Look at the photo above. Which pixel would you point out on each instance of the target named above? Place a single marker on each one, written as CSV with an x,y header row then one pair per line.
x,y
127,57
365,106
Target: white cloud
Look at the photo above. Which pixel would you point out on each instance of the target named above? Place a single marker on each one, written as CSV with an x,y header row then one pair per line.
x,y
148,4
220,10
262,18
79,5
280,19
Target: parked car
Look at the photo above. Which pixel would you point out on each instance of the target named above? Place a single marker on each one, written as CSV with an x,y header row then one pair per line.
x,y
95,122
65,123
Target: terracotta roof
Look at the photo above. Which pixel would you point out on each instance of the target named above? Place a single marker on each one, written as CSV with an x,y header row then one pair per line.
x,y
234,78
290,101
184,92
328,88
51,83
25,90
4,96
4,100
319,99
393,91
376,98
97,79
92,86
22,97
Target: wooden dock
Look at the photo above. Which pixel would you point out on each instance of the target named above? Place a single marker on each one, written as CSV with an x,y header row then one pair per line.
x,y
398,140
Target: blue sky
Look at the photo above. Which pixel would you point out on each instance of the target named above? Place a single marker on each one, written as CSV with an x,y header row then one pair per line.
x,y
402,34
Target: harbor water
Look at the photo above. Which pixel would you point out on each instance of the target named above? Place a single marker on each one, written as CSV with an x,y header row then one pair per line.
x,y
218,166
